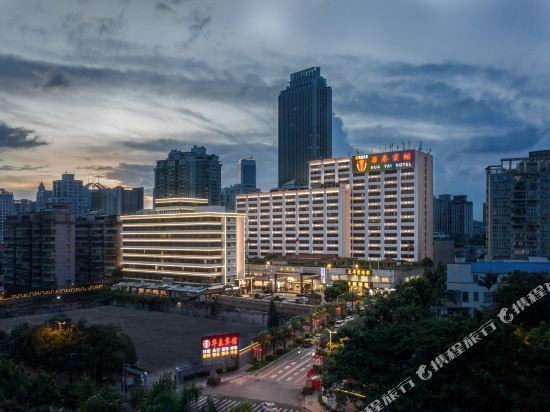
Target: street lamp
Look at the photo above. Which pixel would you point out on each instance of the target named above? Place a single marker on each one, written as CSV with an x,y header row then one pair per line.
x,y
341,294
330,334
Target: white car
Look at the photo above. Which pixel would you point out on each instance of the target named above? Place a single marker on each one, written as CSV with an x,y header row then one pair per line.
x,y
340,322
349,318
269,407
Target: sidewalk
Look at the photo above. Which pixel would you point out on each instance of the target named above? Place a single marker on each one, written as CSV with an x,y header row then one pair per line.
x,y
311,404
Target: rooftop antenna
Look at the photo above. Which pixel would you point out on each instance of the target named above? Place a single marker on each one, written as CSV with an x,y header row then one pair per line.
x,y
403,142
409,143
420,147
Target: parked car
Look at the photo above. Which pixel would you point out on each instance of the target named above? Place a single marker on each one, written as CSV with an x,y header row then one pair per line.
x,y
340,323
307,343
269,407
349,318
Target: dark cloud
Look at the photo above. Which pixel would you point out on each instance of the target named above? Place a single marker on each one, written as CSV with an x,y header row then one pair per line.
x,y
23,168
154,145
199,22
515,141
340,144
162,7
129,174
193,78
15,138
53,78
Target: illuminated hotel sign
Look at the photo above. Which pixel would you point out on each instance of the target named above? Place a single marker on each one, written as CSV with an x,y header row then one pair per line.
x,y
382,161
358,272
219,346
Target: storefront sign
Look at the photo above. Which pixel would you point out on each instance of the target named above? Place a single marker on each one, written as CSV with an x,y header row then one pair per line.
x,y
362,164
220,346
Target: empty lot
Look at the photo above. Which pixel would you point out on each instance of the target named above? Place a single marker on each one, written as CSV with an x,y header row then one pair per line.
x,y
162,340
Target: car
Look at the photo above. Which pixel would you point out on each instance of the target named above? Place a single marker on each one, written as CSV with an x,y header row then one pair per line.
x,y
268,407
349,318
302,300
340,322
307,343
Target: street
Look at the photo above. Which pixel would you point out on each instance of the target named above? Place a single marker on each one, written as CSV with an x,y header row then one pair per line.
x,y
280,382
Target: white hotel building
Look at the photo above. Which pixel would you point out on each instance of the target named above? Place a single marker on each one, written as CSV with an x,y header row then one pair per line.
x,y
392,209
306,221
368,207
184,241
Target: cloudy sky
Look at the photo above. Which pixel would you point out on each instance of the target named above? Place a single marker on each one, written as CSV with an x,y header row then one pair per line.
x,y
107,87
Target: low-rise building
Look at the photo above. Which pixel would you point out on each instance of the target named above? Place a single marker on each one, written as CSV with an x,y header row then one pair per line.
x,y
464,291
184,241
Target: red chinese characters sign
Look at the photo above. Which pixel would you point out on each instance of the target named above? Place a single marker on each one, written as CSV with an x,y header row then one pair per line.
x,y
362,164
218,346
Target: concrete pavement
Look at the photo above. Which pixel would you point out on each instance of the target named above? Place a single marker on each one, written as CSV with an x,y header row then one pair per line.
x,y
280,382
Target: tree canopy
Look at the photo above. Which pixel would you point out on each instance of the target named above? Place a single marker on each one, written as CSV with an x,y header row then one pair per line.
x,y
509,370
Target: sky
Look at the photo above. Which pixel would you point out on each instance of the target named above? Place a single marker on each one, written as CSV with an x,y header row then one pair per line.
x,y
104,88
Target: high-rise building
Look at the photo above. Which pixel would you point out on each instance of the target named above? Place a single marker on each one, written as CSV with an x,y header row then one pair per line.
x,y
117,201
22,206
131,200
189,174
6,208
518,212
305,125
229,195
454,216
182,240
72,193
441,214
97,245
461,213
246,172
304,221
43,197
391,202
39,251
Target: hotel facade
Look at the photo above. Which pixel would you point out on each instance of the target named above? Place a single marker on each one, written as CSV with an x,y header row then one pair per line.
x,y
306,221
182,240
391,202
385,210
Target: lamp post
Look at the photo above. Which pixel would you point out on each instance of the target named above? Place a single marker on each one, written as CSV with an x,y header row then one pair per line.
x,y
330,334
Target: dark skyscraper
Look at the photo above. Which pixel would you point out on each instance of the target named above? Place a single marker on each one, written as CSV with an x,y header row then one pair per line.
x,y
246,172
305,125
189,174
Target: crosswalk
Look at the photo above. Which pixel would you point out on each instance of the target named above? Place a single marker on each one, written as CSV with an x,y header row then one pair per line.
x,y
225,404
290,371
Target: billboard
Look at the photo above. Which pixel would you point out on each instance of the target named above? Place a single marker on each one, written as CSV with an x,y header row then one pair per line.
x,y
362,164
219,346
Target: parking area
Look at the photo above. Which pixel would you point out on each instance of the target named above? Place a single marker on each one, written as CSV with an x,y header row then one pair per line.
x,y
162,340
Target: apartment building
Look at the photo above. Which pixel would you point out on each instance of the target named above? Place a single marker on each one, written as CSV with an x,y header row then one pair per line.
x,y
518,207
304,221
391,202
39,251
185,241
97,245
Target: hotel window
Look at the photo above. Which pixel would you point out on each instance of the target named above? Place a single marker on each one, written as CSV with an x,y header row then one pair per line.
x,y
476,296
464,296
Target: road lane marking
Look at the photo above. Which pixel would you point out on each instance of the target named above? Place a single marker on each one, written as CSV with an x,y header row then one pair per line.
x,y
301,365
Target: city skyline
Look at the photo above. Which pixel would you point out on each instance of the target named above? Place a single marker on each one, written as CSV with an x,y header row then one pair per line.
x,y
107,98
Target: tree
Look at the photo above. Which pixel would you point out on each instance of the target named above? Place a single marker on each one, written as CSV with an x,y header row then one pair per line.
x,y
63,347
272,316
338,288
508,370
488,281
163,396
105,400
